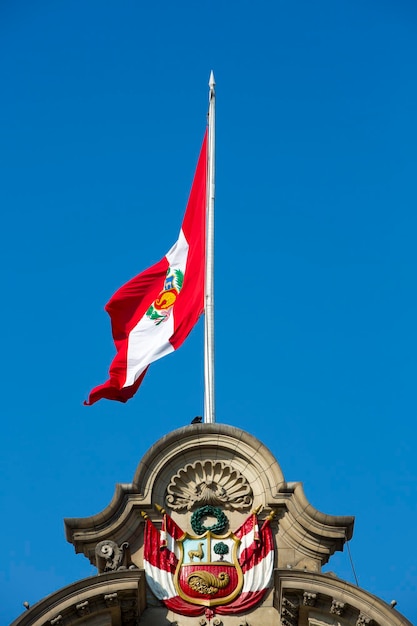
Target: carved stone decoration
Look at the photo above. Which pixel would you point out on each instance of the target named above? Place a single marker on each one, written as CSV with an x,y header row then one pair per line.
x,y
337,608
129,611
110,557
289,611
111,599
82,608
363,620
208,482
309,599
56,621
216,621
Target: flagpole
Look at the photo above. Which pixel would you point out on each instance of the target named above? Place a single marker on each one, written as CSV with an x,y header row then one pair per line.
x,y
209,407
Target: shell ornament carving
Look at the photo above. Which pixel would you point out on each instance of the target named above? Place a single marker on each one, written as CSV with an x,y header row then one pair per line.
x,y
208,483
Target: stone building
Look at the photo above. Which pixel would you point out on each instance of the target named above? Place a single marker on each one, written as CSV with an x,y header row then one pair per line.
x,y
223,491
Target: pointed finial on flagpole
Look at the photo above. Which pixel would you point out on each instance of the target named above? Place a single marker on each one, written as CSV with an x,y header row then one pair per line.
x,y
212,82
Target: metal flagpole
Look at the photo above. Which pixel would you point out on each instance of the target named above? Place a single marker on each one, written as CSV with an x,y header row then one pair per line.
x,y
209,408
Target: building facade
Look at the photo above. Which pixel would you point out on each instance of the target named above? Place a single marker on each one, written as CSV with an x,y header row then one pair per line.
x,y
209,532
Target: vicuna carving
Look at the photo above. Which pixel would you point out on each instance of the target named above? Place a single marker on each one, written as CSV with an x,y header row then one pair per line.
x,y
198,554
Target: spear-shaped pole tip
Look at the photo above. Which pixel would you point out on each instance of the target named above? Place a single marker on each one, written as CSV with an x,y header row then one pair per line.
x,y
212,82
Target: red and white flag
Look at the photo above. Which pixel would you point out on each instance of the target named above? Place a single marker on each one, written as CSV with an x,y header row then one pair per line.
x,y
153,313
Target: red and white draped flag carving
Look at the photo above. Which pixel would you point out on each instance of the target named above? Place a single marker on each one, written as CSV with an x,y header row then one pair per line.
x,y
153,313
255,556
160,558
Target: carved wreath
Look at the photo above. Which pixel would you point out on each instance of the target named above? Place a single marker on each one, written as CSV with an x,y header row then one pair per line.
x,y
218,528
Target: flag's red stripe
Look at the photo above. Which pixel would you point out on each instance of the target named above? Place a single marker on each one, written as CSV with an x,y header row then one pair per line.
x,y
173,529
254,555
180,606
257,550
246,528
111,392
162,559
190,302
130,303
244,602
126,307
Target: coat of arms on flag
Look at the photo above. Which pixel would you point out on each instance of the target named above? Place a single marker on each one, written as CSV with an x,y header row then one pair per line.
x,y
213,570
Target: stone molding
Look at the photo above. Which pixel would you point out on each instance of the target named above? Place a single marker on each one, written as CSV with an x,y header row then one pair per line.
x,y
309,531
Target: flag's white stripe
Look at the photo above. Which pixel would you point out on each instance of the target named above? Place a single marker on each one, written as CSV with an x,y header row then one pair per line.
x,y
147,341
259,576
173,546
246,541
177,256
160,581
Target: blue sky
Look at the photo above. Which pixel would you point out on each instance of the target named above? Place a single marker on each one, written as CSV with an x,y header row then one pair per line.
x,y
101,119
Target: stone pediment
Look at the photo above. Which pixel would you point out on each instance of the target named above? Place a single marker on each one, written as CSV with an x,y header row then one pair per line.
x,y
194,472
221,466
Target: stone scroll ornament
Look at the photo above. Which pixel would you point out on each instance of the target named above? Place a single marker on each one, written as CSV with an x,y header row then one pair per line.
x,y
110,557
209,573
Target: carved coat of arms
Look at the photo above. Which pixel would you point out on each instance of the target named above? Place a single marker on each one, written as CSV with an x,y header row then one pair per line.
x,y
213,570
208,571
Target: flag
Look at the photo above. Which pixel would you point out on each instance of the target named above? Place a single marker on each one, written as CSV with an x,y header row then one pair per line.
x,y
153,313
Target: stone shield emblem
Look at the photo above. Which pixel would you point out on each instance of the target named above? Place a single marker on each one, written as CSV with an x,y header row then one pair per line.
x,y
208,571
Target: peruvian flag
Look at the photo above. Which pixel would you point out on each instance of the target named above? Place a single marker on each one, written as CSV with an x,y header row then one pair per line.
x,y
153,313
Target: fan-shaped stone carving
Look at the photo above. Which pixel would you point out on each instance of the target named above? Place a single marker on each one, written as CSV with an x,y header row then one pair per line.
x,y
208,482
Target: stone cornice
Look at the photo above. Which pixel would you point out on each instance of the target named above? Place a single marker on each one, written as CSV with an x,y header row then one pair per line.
x,y
333,597
315,534
121,591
